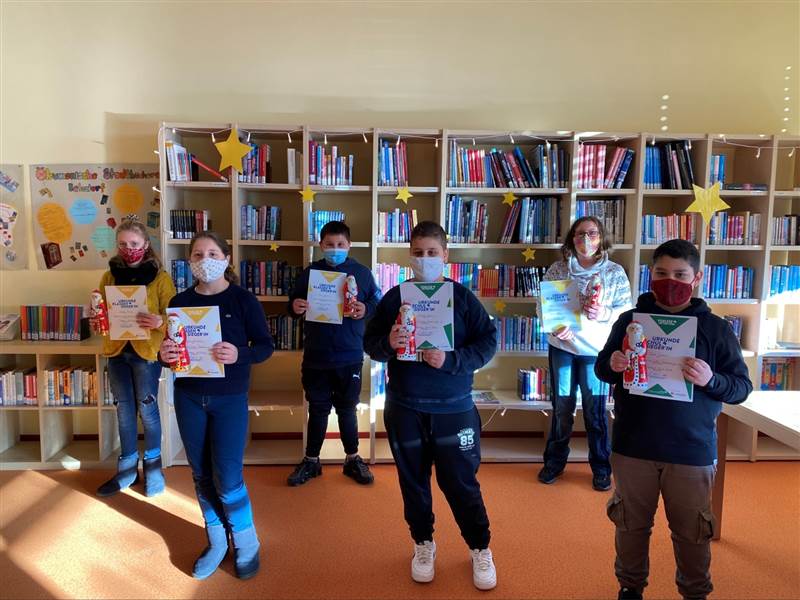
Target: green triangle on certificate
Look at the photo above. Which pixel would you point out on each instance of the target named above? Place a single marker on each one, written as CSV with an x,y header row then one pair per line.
x,y
657,390
668,324
448,331
429,289
426,345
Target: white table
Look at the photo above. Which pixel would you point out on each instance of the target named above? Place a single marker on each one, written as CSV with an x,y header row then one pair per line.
x,y
776,414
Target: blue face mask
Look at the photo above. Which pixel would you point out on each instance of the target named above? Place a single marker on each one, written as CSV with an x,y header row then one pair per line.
x,y
335,256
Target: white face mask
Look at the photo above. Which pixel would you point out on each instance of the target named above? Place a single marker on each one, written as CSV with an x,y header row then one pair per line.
x,y
427,268
209,269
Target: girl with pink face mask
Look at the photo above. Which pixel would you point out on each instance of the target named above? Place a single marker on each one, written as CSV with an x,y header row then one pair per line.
x,y
133,367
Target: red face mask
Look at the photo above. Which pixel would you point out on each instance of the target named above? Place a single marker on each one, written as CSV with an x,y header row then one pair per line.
x,y
671,292
131,256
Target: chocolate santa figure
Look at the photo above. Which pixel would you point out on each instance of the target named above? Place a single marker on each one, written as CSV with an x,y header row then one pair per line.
x,y
634,347
408,323
594,292
350,295
98,314
176,332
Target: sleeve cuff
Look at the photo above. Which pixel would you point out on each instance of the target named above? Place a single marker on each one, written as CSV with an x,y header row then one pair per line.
x,y
450,362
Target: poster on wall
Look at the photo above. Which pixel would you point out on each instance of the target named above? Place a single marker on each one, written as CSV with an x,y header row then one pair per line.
x,y
13,228
77,208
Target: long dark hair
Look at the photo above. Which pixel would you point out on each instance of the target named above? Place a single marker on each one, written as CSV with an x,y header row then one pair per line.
x,y
568,247
230,274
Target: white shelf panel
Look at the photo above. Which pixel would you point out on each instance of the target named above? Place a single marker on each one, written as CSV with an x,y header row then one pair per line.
x,y
751,248
77,407
199,185
339,189
781,352
93,345
787,193
513,246
270,187
23,455
509,299
770,449
476,191
76,455
386,190
275,400
607,192
731,301
20,407
668,192
280,243
742,193
785,248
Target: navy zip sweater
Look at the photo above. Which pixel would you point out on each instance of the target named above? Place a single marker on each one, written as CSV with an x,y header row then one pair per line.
x,y
419,386
329,346
243,325
665,430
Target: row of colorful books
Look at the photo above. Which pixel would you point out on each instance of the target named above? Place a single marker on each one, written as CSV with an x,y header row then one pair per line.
x,y
396,226
257,164
393,164
598,168
737,229
286,332
657,229
728,282
260,222
644,279
466,220
510,281
520,334
779,373
55,322
181,274
18,387
533,384
329,169
388,275
71,386
532,221
498,168
786,230
737,324
184,223
184,166
610,211
317,219
269,278
717,169
467,274
784,279
668,167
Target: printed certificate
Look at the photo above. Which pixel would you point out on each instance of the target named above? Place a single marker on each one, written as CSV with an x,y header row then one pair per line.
x,y
325,296
433,310
561,305
124,303
202,331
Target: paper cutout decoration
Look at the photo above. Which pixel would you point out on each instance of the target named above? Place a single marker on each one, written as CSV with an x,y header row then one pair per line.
x,y
707,201
232,151
528,253
403,194
127,199
509,198
55,223
274,247
500,306
308,194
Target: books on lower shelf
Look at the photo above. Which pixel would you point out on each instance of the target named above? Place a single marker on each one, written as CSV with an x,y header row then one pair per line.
x,y
286,332
533,384
392,164
466,274
734,229
466,220
603,167
108,395
728,282
181,274
184,223
784,279
388,275
786,230
657,229
260,222
395,226
778,373
268,278
51,322
329,169
70,386
668,166
610,211
520,334
547,166
532,221
510,281
644,279
736,323
18,387
257,164
317,219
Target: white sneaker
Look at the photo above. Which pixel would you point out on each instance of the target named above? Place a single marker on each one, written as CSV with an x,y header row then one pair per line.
x,y
422,564
484,575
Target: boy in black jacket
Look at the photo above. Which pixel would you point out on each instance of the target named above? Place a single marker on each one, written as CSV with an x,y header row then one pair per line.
x,y
430,417
668,447
333,356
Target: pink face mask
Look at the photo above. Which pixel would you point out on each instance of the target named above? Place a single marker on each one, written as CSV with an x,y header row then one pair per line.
x,y
131,256
586,246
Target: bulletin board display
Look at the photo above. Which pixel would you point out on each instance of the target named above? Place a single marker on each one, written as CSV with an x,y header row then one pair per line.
x,y
77,208
13,226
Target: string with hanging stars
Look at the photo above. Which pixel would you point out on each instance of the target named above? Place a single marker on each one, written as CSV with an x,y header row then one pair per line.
x,y
307,194
500,306
232,151
707,201
274,247
528,254
509,198
403,194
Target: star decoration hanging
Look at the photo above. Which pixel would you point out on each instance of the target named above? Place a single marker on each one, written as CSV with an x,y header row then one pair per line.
x,y
707,202
308,194
528,253
232,151
500,306
274,247
403,194
508,198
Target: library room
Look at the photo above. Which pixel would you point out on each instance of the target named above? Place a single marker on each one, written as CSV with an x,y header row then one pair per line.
x,y
521,279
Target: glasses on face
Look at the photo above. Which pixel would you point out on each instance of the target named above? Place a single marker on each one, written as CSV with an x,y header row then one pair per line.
x,y
592,235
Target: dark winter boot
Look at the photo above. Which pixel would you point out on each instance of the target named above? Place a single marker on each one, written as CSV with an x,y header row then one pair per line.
x,y
127,475
245,552
153,476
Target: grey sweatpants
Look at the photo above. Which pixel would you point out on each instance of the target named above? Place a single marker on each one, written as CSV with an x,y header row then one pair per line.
x,y
687,502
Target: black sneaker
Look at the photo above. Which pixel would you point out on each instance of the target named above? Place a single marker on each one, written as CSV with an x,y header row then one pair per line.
x,y
308,469
358,470
548,474
601,483
629,594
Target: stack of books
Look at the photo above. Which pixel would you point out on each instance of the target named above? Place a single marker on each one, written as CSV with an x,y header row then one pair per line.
x,y
51,322
329,169
778,374
603,167
184,223
657,229
464,273
728,282
668,167
466,221
736,324
396,226
183,166
71,386
520,334
533,384
286,332
717,169
532,221
260,222
181,274
784,279
317,219
786,230
734,229
18,387
510,281
393,164
268,278
644,279
257,165
610,211
388,275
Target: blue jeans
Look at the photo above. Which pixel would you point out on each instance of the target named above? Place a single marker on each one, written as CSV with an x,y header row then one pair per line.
x,y
134,383
214,430
568,373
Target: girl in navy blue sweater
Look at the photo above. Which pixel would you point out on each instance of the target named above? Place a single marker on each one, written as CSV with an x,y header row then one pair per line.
x,y
212,413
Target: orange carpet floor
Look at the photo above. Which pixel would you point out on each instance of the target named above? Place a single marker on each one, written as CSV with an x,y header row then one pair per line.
x,y
334,539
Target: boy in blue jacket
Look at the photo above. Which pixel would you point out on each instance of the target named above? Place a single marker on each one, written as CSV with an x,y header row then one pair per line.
x,y
665,447
430,417
333,356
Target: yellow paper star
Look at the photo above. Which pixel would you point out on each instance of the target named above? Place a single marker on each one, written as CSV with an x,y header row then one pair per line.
x,y
707,202
274,247
403,194
232,151
508,198
528,253
500,306
308,194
